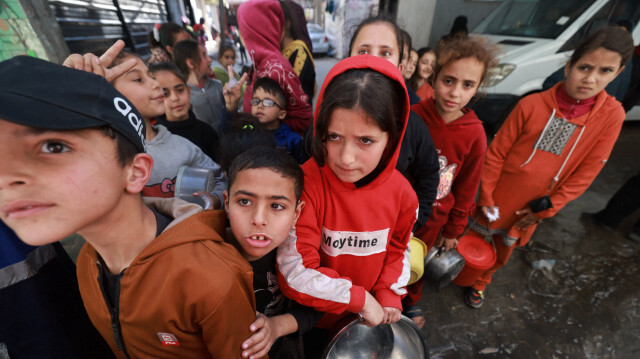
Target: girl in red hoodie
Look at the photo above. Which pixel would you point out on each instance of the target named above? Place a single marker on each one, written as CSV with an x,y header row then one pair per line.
x,y
461,67
550,148
350,255
420,79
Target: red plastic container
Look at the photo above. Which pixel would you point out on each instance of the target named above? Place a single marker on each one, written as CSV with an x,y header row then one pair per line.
x,y
479,255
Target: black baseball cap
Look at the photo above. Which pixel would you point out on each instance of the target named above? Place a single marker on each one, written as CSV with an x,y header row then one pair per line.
x,y
41,94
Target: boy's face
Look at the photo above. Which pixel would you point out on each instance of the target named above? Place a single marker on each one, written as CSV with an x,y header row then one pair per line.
x,y
269,117
176,96
144,92
56,183
261,205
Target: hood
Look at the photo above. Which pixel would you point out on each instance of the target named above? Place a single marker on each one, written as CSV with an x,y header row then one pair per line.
x,y
261,23
429,114
603,102
162,136
386,68
190,224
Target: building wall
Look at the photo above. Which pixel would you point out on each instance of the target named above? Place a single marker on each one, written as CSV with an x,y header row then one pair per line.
x,y
416,17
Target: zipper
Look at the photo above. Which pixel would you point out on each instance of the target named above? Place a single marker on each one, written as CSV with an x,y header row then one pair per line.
x,y
113,310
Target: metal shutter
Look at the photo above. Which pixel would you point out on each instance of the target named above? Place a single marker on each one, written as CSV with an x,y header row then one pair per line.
x,y
90,24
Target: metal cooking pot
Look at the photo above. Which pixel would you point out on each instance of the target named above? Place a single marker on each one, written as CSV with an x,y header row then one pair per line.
x,y
441,266
402,339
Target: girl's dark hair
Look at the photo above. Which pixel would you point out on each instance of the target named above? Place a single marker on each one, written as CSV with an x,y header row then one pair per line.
x,y
186,49
246,132
272,158
152,40
406,40
273,88
168,32
381,98
612,38
290,22
223,49
415,78
167,66
459,27
385,19
461,47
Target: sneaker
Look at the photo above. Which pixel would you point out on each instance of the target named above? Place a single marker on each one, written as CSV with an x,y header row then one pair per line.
x,y
473,297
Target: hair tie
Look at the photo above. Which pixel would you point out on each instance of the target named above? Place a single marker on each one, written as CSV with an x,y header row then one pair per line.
x,y
156,32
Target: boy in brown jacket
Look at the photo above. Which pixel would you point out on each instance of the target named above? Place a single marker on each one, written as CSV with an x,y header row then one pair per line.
x,y
156,278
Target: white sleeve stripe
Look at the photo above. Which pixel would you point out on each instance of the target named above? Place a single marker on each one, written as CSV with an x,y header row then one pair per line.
x,y
399,286
309,281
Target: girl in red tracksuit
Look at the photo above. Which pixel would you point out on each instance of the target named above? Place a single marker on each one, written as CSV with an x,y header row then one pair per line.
x,y
460,140
350,255
550,149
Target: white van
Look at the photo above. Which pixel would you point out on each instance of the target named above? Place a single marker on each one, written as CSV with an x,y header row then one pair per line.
x,y
537,38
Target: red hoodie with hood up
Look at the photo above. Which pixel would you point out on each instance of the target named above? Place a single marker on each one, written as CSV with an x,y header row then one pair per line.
x,y
350,239
261,23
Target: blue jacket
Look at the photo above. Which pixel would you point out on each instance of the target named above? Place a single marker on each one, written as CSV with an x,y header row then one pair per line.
x,y
41,312
289,141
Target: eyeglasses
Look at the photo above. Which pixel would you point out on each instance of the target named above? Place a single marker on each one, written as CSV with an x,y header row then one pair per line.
x,y
265,102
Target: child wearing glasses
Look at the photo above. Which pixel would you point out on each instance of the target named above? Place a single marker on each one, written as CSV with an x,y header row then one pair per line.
x,y
268,104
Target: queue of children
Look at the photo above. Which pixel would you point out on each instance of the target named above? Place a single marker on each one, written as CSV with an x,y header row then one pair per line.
x,y
307,246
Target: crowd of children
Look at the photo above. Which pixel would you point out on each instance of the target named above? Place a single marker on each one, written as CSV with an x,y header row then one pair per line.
x,y
297,234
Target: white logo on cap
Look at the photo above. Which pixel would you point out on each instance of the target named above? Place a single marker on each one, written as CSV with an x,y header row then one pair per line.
x,y
125,109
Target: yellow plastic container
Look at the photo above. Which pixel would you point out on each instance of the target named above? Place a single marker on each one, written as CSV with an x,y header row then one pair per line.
x,y
418,250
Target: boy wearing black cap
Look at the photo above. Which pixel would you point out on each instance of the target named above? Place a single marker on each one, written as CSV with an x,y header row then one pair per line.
x,y
156,278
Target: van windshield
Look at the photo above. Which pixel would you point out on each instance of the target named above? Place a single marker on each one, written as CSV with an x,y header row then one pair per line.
x,y
533,18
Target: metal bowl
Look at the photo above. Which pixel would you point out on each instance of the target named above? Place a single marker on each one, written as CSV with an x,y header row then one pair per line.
x,y
399,340
409,341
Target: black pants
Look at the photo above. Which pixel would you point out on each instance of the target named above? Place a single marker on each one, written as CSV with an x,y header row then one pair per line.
x,y
315,342
632,96
622,204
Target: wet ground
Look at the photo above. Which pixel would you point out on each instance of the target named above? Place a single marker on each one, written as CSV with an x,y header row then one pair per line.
x,y
586,306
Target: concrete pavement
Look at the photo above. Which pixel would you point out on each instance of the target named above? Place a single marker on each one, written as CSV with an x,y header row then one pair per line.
x,y
586,306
